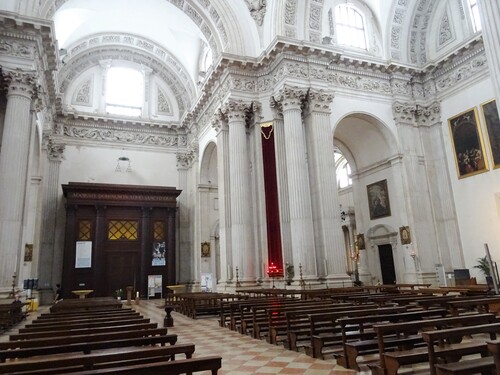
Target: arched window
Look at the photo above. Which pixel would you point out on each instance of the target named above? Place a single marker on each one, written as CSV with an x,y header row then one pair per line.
x,y
343,171
350,26
474,12
124,91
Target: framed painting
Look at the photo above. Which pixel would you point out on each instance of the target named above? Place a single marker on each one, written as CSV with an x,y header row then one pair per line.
x,y
492,122
378,200
404,234
360,241
468,146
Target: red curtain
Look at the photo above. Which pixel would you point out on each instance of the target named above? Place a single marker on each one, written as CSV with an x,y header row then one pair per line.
x,y
272,205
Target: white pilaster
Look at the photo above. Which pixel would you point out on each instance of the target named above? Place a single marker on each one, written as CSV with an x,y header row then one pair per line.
x,y
241,213
13,171
184,270
330,245
301,223
223,178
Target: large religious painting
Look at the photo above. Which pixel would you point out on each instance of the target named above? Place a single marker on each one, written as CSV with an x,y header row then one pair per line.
x,y
468,146
378,200
492,122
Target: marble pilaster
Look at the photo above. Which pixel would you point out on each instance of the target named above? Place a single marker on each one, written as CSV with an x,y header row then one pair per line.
x,y
219,123
241,212
185,252
330,245
13,170
46,266
301,220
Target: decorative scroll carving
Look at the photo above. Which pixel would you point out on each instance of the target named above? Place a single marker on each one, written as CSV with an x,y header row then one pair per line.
x,y
12,47
403,112
290,12
257,10
83,94
163,105
445,32
122,136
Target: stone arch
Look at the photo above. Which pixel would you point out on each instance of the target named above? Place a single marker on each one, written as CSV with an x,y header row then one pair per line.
x,y
208,165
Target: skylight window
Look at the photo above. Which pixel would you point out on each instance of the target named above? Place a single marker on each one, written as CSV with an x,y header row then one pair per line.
x,y
474,11
343,171
350,26
124,92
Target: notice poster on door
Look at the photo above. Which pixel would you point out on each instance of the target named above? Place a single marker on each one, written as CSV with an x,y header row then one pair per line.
x,y
154,285
83,258
158,258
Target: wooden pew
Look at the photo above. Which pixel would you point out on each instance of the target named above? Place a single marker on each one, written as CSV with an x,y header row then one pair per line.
x,y
11,314
325,330
181,366
86,304
368,343
80,362
478,304
84,343
439,347
84,314
494,349
391,361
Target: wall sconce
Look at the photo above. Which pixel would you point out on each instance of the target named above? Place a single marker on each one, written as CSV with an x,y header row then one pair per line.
x,y
343,214
123,164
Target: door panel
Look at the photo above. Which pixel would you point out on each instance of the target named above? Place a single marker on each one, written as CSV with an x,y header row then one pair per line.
x,y
122,270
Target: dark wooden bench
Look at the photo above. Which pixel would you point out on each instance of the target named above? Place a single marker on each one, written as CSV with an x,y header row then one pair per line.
x,y
391,361
82,331
86,304
83,343
494,349
368,343
80,362
12,313
445,344
84,314
478,304
325,330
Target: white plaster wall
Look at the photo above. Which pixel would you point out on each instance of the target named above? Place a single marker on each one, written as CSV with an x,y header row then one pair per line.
x,y
477,208
97,165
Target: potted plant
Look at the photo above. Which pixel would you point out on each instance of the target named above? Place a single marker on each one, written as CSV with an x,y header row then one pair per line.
x,y
484,266
289,273
119,294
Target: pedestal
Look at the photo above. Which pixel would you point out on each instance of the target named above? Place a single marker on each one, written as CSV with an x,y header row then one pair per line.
x,y
168,321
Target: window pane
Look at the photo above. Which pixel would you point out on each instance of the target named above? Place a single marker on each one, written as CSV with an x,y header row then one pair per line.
x,y
124,91
350,27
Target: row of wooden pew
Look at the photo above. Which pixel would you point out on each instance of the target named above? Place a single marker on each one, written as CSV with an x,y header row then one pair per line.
x,y
404,329
98,336
11,313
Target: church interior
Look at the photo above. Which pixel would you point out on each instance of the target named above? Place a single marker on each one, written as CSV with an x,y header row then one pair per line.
x,y
215,145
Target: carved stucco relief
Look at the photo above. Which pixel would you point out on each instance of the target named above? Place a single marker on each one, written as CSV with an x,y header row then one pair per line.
x,y
83,93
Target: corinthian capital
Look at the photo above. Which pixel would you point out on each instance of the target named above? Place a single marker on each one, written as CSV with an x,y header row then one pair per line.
x,y
429,115
235,109
291,97
276,108
403,112
184,159
55,149
21,83
319,101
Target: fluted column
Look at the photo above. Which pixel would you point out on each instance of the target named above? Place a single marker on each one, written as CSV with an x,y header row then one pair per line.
x,y
219,123
184,160
241,212
329,239
301,222
13,170
281,177
46,267
489,11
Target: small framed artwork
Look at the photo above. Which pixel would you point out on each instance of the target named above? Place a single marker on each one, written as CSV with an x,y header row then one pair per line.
x,y
468,146
28,252
492,122
378,200
205,249
404,234
360,241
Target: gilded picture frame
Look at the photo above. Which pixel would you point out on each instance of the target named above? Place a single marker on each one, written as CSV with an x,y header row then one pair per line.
x,y
492,123
205,249
360,241
468,144
405,235
378,200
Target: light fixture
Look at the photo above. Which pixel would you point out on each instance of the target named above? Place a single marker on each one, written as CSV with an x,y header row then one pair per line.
x,y
343,214
123,164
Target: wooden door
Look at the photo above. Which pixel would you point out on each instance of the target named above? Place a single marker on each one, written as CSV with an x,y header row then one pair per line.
x,y
122,270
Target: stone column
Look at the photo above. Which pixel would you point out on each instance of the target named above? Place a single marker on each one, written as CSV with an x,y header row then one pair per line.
x,y
330,245
490,14
13,170
449,246
219,123
299,193
281,176
49,213
241,208
184,160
